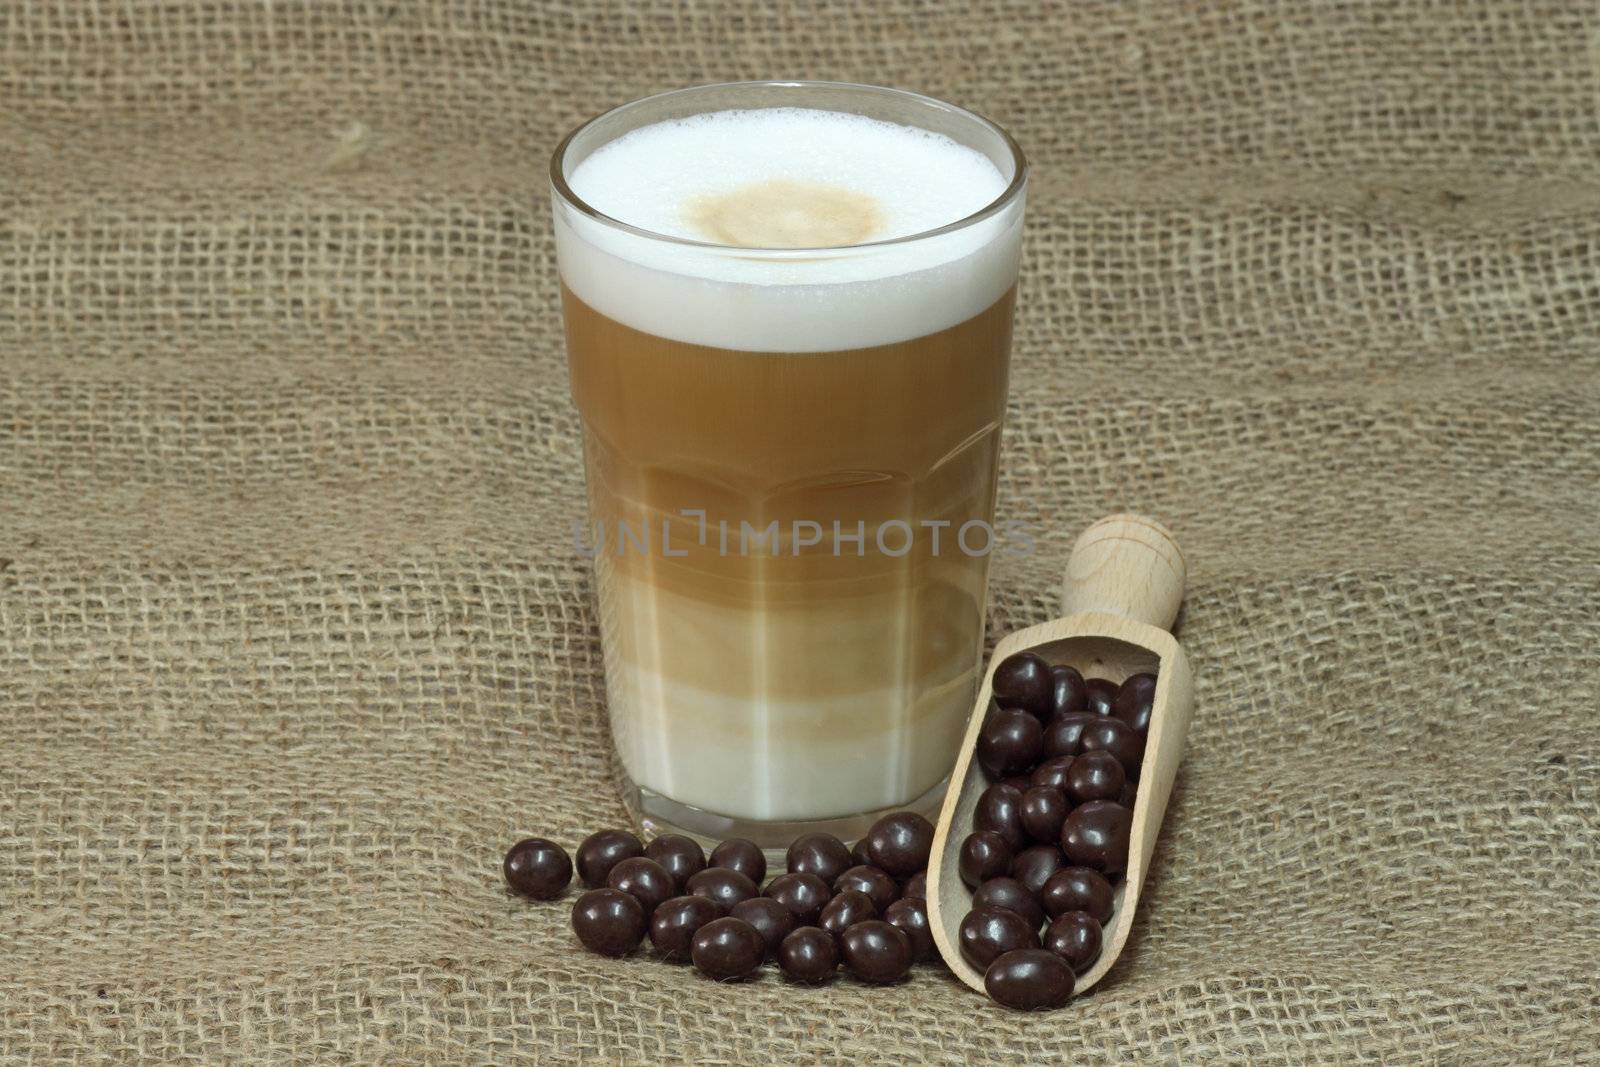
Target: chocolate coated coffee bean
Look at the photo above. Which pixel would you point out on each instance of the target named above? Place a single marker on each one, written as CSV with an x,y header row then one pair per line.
x,y
603,850
1052,772
608,921
771,919
858,854
1129,794
1035,866
911,915
987,933
803,894
1022,681
984,855
899,843
723,885
1010,895
876,951
682,857
727,949
1010,743
809,954
848,907
869,880
999,810
1078,889
1096,776
1135,700
1116,737
537,867
820,854
646,880
1020,782
1067,691
915,887
1029,979
1064,735
673,925
1042,811
1096,835
1099,695
742,855
1075,937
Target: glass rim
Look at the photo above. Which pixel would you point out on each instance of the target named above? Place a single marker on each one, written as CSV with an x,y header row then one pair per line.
x,y
1012,191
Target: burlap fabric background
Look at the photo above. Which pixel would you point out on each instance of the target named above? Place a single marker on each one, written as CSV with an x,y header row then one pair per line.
x,y
293,640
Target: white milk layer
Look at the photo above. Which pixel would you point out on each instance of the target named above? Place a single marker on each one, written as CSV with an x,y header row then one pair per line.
x,y
782,779
660,179
758,754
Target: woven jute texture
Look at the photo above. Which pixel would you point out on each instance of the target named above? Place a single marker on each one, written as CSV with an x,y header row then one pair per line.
x,y
294,639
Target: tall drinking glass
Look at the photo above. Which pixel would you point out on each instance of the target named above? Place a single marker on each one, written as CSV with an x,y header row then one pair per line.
x,y
790,455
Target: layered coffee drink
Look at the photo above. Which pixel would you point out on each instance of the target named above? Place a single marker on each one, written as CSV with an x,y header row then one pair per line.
x,y
788,331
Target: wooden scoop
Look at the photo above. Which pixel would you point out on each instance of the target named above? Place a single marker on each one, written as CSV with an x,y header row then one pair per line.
x,y
1123,585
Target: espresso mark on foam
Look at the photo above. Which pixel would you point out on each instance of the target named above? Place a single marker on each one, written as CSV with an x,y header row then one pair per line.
x,y
780,213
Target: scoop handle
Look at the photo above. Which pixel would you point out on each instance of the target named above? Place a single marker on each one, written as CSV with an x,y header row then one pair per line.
x,y
1126,565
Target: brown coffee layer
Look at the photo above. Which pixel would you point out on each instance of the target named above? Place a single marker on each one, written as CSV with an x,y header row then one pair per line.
x,y
775,449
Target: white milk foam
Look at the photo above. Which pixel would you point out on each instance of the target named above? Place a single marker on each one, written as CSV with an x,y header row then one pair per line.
x,y
658,178
921,180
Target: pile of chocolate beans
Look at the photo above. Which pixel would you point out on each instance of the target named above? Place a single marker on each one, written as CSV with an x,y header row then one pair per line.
x,y
1048,847
864,907
1050,834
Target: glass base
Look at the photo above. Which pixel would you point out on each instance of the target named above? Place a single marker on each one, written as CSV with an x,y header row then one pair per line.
x,y
658,815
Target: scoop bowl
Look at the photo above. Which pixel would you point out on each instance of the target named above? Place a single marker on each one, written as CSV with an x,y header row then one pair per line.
x,y
1123,585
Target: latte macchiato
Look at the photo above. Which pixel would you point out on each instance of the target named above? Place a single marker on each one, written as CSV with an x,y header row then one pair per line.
x,y
791,450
